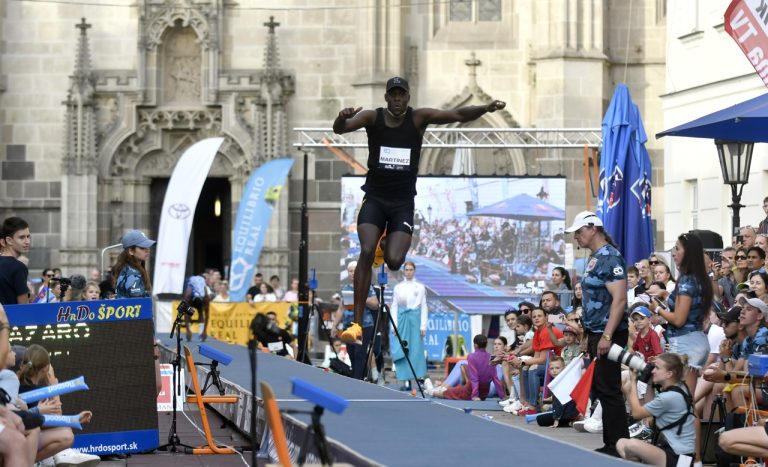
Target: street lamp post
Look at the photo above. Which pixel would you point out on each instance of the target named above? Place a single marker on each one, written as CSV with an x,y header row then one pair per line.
x,y
735,160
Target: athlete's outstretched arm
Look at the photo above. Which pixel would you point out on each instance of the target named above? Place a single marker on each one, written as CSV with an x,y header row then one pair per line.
x,y
462,114
351,119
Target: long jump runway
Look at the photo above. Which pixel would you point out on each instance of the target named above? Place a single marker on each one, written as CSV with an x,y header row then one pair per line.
x,y
383,426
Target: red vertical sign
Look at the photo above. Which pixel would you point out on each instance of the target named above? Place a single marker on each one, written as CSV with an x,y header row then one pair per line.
x,y
747,23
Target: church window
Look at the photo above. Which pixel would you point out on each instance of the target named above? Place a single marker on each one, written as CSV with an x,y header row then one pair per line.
x,y
474,10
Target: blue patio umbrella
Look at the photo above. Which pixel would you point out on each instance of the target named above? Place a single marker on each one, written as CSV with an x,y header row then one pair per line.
x,y
522,207
624,197
746,121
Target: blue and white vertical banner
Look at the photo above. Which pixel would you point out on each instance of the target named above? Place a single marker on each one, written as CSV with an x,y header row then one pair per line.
x,y
253,216
178,213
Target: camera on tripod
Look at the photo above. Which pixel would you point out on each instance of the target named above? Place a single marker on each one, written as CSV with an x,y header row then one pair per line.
x,y
185,308
632,360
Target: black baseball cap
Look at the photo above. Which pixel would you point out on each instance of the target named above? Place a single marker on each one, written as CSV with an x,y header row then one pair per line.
x,y
731,315
397,82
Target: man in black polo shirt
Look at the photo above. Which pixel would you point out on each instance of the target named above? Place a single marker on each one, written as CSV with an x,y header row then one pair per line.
x,y
13,273
394,147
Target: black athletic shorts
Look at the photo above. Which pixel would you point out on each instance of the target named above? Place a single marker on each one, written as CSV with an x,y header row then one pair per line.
x,y
394,215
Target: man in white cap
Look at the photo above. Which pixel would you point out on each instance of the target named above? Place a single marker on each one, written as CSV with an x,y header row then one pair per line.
x,y
604,303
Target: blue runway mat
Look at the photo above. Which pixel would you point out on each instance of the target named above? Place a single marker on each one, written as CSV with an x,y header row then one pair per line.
x,y
395,428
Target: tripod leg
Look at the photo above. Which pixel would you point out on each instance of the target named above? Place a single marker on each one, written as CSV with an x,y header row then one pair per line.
x,y
717,404
407,356
305,446
372,341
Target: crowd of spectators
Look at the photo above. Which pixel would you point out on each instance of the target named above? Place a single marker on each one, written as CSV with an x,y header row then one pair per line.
x,y
22,443
696,316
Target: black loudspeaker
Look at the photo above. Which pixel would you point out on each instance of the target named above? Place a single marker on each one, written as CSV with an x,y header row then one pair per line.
x,y
709,240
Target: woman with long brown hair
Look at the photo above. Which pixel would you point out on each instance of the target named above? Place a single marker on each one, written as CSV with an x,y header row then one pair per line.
x,y
130,273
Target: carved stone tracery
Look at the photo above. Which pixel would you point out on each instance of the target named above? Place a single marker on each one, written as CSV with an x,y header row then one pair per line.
x,y
489,162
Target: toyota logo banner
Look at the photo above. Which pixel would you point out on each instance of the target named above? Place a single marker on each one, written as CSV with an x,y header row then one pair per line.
x,y
178,212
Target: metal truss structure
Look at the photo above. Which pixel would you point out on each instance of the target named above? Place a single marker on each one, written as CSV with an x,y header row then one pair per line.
x,y
470,138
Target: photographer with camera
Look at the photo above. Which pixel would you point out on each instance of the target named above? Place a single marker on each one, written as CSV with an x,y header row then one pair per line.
x,y
271,336
604,303
673,411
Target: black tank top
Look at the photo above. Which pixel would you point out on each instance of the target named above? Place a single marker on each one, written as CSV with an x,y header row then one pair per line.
x,y
393,158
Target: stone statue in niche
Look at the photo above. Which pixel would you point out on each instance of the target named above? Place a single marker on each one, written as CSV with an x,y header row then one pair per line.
x,y
181,67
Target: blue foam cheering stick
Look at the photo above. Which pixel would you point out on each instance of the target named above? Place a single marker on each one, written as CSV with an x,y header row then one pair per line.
x,y
77,384
72,421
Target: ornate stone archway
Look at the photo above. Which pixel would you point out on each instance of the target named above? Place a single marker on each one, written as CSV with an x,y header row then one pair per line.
x,y
141,121
486,161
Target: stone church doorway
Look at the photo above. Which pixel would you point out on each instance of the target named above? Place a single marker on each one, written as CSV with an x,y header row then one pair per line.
x,y
210,239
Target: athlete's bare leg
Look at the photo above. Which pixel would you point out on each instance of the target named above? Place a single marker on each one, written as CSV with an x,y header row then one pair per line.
x,y
369,236
396,247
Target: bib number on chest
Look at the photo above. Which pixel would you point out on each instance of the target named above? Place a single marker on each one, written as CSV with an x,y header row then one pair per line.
x,y
395,158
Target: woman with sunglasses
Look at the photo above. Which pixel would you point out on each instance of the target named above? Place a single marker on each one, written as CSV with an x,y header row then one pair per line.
x,y
688,305
741,269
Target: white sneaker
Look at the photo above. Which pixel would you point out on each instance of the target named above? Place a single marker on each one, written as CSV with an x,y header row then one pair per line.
x,y
72,458
514,407
579,425
428,386
593,426
506,402
636,429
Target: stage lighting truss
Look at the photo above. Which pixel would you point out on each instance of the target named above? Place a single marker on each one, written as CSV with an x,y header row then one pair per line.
x,y
472,138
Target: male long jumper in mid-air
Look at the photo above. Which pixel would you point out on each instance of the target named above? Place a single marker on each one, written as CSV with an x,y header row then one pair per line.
x,y
394,146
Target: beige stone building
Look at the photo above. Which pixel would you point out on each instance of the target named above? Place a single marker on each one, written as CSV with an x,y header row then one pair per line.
x,y
98,101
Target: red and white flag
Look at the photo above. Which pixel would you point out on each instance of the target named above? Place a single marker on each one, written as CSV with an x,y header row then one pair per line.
x,y
580,393
747,23
564,383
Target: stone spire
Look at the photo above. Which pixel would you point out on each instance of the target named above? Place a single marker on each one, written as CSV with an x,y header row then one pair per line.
x,y
276,86
80,149
271,55
83,59
79,181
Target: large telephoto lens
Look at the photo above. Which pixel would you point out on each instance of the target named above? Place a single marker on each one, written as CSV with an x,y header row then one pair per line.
x,y
632,360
